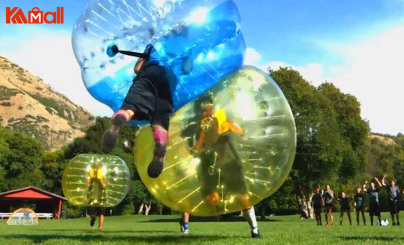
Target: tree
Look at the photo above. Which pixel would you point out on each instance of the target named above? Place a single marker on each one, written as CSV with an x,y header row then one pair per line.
x,y
20,158
53,164
331,135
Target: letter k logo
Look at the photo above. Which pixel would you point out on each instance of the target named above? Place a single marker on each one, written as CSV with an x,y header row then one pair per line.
x,y
15,15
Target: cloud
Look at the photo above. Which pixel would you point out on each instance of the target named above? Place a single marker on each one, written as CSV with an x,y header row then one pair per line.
x,y
252,57
371,70
313,72
49,55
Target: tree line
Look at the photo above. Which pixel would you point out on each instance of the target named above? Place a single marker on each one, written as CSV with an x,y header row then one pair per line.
x,y
334,146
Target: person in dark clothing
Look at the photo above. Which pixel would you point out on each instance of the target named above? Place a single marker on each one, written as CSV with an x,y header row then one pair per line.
x,y
328,196
96,195
220,161
359,203
345,207
394,199
94,213
374,206
149,98
316,202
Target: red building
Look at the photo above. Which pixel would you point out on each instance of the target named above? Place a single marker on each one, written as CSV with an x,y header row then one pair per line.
x,y
42,202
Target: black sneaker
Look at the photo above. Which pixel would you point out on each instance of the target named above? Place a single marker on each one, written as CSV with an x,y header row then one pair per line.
x,y
92,222
156,166
255,235
398,223
394,223
110,138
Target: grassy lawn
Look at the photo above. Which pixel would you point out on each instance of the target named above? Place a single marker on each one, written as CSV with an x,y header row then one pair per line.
x,y
165,230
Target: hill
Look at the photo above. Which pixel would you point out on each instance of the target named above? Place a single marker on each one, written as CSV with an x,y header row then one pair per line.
x,y
29,106
385,140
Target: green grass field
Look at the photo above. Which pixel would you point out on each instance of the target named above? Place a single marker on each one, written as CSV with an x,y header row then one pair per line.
x,y
165,230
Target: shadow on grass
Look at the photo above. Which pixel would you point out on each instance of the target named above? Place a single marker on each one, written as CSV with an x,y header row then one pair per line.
x,y
90,231
206,219
379,238
40,238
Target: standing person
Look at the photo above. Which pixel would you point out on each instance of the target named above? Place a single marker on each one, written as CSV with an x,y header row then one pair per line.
x,y
316,201
374,206
359,203
96,195
220,161
345,207
394,204
96,183
328,196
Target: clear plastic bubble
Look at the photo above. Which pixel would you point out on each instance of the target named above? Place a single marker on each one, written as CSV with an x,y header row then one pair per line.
x,y
227,150
200,40
95,180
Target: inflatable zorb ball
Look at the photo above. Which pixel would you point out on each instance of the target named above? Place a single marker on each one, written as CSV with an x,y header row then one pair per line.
x,y
95,180
227,150
199,40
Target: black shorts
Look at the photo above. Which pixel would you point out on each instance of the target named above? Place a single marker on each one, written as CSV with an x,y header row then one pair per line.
x,y
374,209
394,207
360,209
229,162
95,211
150,97
328,207
222,156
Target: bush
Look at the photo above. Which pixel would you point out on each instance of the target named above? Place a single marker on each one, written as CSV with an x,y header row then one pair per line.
x,y
74,211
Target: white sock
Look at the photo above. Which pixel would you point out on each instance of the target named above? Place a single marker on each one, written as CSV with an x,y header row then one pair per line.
x,y
249,215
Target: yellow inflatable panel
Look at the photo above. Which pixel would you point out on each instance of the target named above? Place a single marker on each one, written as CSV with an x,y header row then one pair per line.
x,y
228,150
95,180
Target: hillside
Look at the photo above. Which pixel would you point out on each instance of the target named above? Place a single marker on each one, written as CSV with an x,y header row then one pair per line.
x,y
29,106
382,139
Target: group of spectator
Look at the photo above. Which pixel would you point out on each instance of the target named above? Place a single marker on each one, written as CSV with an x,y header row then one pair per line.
x,y
323,199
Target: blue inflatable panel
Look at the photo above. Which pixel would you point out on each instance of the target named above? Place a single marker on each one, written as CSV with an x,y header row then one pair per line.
x,y
200,41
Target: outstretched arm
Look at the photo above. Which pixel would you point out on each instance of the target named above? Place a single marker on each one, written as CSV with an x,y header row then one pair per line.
x,y
378,182
364,185
384,180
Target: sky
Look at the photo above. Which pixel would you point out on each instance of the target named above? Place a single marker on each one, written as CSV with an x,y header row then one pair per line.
x,y
356,45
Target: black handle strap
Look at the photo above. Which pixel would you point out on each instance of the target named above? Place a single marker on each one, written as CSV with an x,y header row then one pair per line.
x,y
135,54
